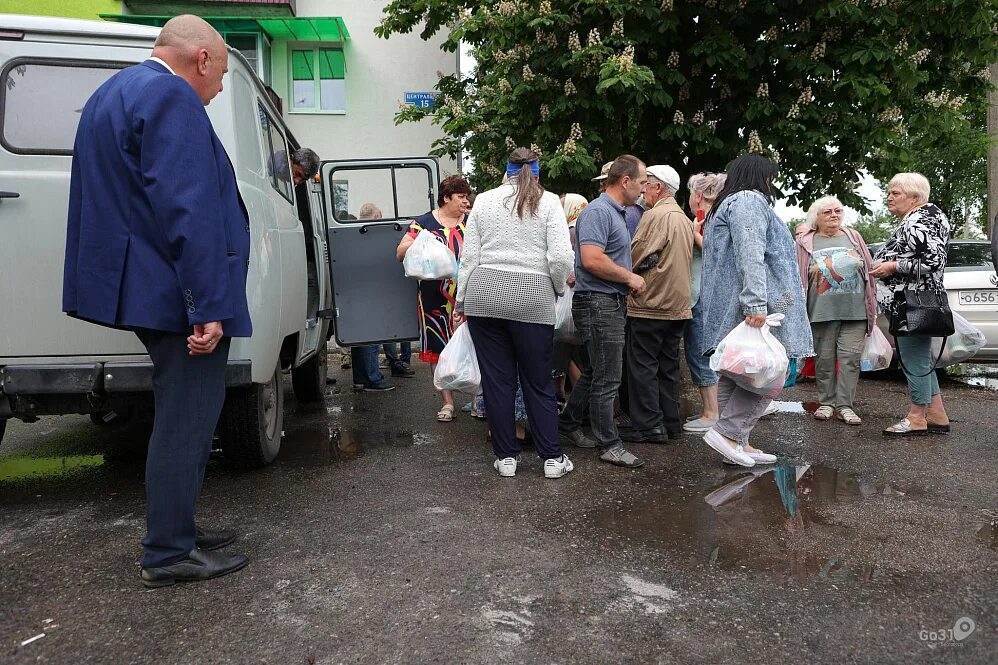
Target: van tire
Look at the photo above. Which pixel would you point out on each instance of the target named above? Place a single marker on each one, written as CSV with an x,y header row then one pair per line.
x,y
252,422
309,378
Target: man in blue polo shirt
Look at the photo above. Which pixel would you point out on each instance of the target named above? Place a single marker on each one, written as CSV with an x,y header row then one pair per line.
x,y
603,279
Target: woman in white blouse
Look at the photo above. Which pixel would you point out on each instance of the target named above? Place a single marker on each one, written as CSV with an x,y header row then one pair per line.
x,y
517,259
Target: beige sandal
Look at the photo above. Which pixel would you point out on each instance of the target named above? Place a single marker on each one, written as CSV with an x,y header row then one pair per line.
x,y
823,412
446,413
850,417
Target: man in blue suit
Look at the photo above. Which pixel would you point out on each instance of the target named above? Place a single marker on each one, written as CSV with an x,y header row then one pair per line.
x,y
158,243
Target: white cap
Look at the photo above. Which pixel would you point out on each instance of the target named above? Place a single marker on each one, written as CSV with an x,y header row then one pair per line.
x,y
666,174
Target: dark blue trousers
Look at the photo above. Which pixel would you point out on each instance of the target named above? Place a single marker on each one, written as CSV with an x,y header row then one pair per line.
x,y
188,392
506,350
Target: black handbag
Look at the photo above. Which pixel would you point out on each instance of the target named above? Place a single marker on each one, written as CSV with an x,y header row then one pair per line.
x,y
918,312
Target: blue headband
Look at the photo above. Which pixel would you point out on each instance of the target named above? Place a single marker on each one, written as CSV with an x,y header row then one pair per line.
x,y
513,170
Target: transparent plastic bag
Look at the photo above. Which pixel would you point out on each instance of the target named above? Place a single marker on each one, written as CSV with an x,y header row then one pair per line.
x,y
457,368
961,346
564,324
877,352
429,258
753,358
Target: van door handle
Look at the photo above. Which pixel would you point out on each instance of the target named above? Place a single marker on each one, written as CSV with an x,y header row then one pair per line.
x,y
9,195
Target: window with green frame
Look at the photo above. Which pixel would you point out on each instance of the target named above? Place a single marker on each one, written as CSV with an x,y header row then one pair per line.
x,y
318,80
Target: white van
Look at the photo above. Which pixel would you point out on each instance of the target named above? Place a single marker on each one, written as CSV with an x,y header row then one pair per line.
x,y
52,364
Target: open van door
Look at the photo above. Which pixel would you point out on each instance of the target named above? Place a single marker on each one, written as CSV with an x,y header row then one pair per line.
x,y
373,301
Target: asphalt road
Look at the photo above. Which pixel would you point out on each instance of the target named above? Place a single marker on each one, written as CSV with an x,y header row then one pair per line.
x,y
380,535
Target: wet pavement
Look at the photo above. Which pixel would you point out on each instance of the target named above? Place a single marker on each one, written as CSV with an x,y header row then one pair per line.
x,y
380,535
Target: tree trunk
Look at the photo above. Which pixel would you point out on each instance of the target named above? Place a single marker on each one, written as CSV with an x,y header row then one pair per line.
x,y
992,129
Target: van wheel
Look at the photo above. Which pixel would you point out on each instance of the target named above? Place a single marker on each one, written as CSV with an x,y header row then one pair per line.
x,y
251,423
309,379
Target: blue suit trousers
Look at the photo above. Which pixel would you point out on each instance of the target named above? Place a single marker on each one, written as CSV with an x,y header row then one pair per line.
x,y
188,392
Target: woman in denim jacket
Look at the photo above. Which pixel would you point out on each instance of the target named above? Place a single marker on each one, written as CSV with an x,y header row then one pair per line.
x,y
749,271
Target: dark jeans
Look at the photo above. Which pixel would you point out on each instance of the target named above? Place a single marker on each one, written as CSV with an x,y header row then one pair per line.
x,y
653,373
364,362
507,350
599,319
188,392
394,357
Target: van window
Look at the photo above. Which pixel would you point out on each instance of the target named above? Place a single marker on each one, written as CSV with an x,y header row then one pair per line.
x,y
278,159
41,102
388,192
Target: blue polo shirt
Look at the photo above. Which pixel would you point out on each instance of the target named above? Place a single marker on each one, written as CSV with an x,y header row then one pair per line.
x,y
602,224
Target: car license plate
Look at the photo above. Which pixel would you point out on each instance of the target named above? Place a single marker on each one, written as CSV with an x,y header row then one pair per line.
x,y
979,297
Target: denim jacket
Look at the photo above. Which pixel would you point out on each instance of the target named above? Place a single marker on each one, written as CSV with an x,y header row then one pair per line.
x,y
750,267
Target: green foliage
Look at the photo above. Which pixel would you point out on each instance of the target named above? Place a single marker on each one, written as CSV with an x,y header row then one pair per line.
x,y
875,227
829,87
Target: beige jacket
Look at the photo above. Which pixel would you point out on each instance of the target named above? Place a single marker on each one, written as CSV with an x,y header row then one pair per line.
x,y
667,230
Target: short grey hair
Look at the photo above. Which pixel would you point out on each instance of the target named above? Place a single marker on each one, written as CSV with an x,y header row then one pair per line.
x,y
369,211
912,184
307,160
708,184
817,208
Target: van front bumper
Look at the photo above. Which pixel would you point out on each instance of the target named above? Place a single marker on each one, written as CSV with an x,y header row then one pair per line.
x,y
97,377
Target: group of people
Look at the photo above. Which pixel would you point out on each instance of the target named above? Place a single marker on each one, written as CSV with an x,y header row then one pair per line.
x,y
648,282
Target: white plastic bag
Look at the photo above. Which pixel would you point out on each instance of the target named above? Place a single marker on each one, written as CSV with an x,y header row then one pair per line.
x,y
877,352
564,323
753,358
961,346
429,258
457,368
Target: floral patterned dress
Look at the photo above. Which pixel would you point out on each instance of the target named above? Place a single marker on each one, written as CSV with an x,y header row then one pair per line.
x,y
437,297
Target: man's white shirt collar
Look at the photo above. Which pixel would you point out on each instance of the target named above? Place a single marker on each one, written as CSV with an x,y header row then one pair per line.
x,y
160,61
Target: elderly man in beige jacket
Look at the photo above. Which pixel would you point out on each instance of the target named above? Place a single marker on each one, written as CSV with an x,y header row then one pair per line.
x,y
662,253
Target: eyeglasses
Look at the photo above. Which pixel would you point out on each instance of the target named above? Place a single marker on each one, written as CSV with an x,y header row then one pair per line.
x,y
832,211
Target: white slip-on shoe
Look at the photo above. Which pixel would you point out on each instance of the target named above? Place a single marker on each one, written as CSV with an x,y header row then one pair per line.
x,y
720,444
699,424
506,467
557,468
757,456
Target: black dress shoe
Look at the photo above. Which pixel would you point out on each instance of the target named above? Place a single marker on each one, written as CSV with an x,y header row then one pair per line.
x,y
199,565
653,435
403,370
214,540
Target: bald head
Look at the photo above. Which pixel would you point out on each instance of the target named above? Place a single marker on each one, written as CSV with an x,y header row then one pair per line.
x,y
196,52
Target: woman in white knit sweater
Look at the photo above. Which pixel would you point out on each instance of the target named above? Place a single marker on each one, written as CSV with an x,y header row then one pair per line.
x,y
517,258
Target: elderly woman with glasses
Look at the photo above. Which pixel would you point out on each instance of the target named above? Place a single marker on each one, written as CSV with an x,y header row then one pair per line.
x,y
914,257
835,265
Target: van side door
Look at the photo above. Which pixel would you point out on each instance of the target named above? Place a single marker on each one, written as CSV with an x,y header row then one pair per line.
x,y
373,301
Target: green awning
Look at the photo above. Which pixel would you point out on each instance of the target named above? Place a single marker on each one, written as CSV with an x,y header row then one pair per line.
x,y
302,28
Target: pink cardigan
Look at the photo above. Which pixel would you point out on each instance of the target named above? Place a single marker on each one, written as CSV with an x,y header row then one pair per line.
x,y
805,248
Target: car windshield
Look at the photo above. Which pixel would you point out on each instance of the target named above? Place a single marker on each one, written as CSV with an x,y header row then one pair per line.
x,y
969,255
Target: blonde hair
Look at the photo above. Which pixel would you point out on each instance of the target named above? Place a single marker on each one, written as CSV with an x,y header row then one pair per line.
x,y
708,185
816,209
912,184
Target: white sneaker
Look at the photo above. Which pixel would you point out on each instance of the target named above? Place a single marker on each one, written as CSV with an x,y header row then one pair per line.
x,y
506,466
757,456
720,444
770,410
556,469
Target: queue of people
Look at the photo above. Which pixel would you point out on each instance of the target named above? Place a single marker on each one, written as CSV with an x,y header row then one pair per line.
x,y
644,292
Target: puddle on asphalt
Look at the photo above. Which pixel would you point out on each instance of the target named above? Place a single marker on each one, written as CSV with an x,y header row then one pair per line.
x,y
988,534
978,376
750,520
14,469
332,445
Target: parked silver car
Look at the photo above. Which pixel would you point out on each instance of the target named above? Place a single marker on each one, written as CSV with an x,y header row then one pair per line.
x,y
972,287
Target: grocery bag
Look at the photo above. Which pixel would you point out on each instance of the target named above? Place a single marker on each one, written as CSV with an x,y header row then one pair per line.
x,y
429,258
564,324
877,352
457,368
961,346
753,358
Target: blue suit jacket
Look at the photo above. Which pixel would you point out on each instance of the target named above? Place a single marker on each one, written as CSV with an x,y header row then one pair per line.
x,y
158,236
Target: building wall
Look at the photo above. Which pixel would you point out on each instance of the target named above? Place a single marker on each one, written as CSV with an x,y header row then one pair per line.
x,y
378,74
66,8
